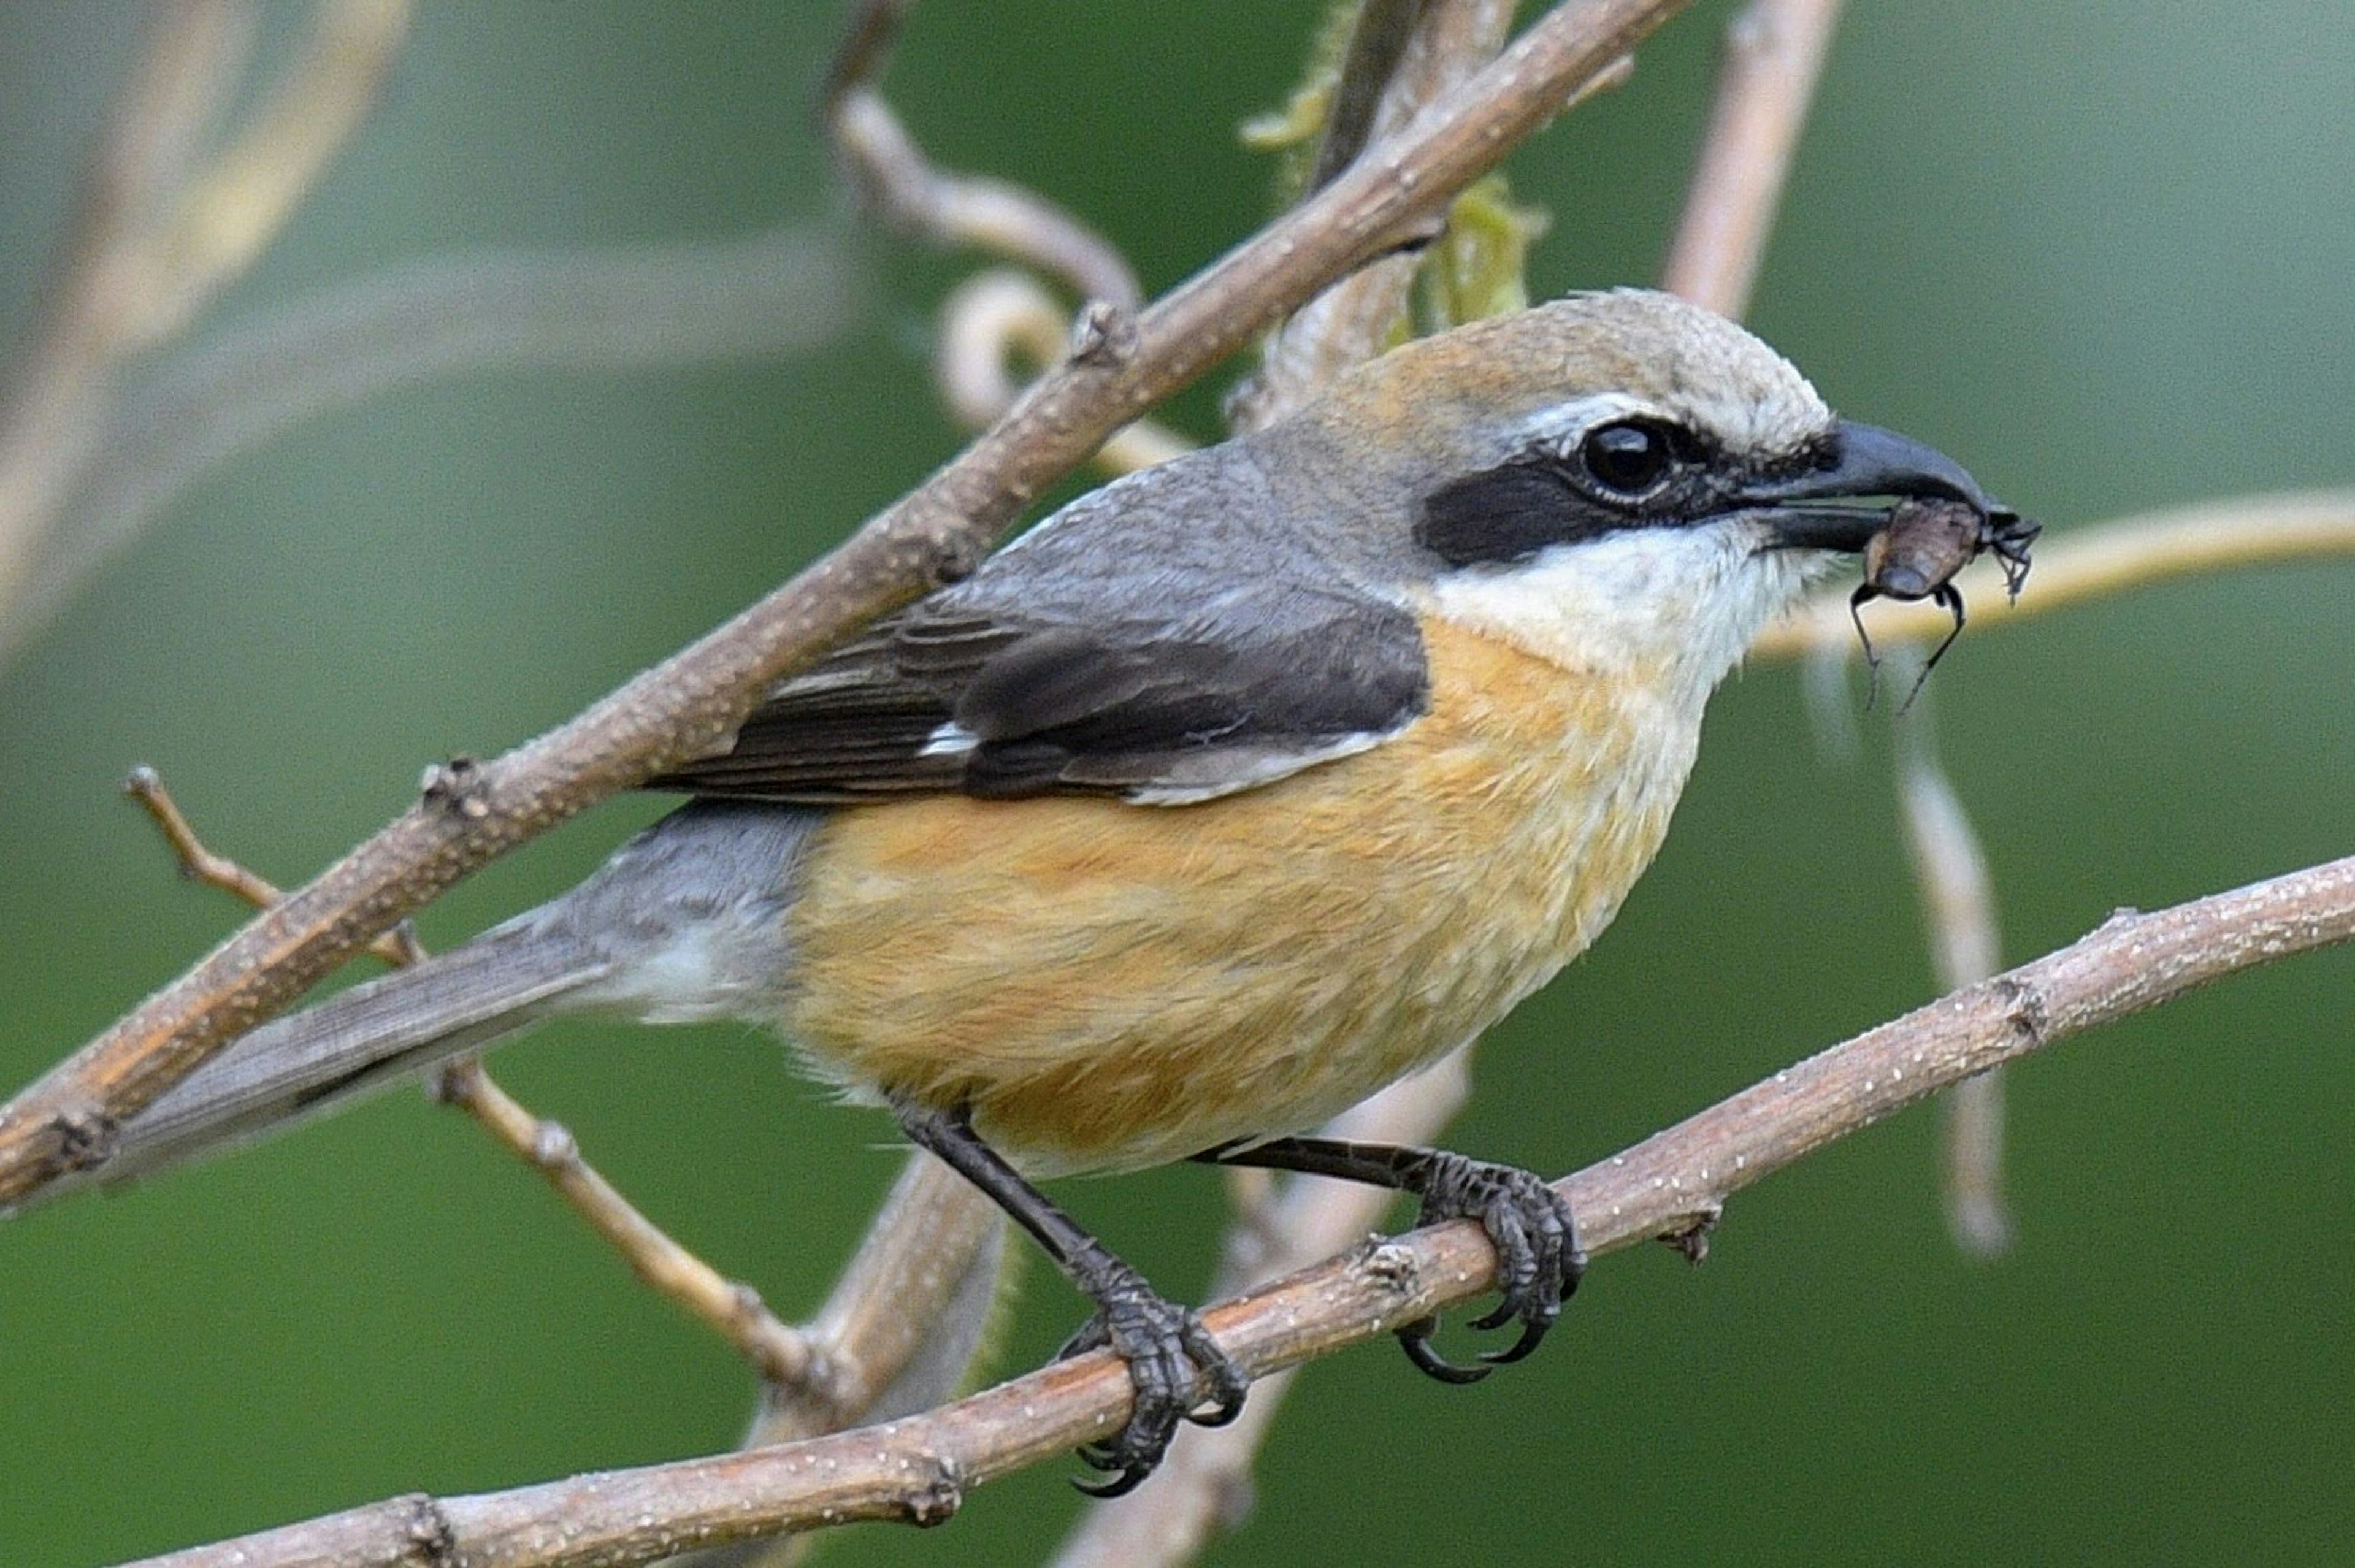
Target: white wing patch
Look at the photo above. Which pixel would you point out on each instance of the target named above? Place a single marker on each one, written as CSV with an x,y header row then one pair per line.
x,y
1237,774
951,739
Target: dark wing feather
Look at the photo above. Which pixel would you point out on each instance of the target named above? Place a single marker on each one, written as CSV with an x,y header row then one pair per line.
x,y
1141,706
1120,648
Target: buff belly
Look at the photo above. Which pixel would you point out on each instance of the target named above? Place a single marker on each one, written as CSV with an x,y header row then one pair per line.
x,y
1110,986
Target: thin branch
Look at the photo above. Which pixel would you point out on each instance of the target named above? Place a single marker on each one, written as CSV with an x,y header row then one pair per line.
x,y
1950,871
918,1470
778,1354
906,1316
200,865
1380,37
1775,54
906,1321
903,1322
2096,562
472,811
884,164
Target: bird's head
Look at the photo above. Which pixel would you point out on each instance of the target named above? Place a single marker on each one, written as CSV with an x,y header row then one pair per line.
x,y
1638,469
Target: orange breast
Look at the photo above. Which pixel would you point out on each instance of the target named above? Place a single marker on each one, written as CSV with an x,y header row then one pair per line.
x,y
1109,984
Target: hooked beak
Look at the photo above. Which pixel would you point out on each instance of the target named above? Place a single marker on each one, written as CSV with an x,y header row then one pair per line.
x,y
1828,507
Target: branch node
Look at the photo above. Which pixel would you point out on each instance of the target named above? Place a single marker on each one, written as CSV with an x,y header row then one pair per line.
x,y
2024,1012
1392,1268
1103,335
86,1136
937,1501
429,1530
458,786
1690,1234
553,1147
746,1302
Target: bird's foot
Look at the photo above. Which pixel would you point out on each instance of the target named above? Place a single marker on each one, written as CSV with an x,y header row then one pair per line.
x,y
1177,1368
1539,1260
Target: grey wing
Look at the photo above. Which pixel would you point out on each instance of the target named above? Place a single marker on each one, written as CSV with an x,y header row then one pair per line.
x,y
1118,654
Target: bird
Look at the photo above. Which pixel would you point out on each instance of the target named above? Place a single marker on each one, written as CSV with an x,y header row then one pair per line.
x,y
1230,793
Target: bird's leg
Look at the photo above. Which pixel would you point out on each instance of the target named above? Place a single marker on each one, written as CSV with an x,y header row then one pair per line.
x,y
1170,1354
1539,1260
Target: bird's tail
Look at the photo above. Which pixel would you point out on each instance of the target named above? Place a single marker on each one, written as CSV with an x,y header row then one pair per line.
x,y
684,923
375,1033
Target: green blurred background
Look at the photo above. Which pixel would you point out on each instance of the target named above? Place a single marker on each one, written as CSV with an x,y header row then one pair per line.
x,y
2101,252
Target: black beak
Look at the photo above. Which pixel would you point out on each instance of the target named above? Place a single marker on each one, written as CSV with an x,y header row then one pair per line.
x,y
1826,507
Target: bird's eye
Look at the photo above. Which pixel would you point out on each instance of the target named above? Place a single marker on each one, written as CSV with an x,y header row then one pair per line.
x,y
1627,459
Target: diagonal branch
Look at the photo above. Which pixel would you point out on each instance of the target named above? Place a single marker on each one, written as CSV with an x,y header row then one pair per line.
x,y
917,1470
472,813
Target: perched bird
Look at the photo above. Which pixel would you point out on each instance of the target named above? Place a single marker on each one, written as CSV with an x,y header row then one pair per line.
x,y
1226,795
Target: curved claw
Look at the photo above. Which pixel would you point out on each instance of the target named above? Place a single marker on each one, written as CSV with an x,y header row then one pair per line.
x,y
1532,1334
1170,1356
1539,1260
1414,1338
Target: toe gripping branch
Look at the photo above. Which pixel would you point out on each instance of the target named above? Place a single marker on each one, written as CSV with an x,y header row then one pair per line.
x,y
1176,1369
1539,1260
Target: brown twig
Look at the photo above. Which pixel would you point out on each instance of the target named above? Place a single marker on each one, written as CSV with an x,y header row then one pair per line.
x,y
2099,561
473,813
918,1470
906,1316
198,862
781,1355
1774,53
884,164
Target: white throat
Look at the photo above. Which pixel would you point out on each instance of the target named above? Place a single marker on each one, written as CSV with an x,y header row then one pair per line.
x,y
1677,605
